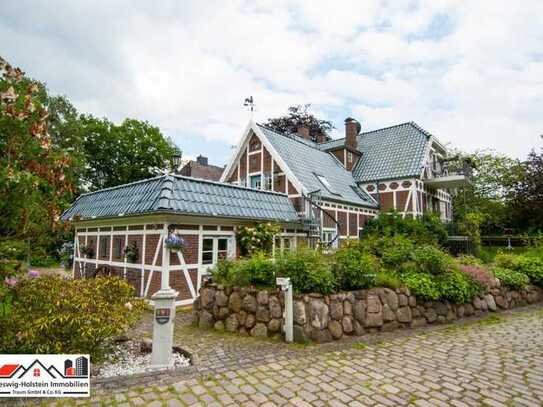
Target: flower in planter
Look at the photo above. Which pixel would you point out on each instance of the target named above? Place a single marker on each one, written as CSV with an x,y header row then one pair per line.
x,y
131,253
175,242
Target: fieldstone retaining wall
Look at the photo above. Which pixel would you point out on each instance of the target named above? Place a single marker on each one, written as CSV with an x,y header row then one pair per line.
x,y
323,318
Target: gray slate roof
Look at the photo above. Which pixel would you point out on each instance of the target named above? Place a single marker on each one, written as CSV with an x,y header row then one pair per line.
x,y
183,195
390,153
305,160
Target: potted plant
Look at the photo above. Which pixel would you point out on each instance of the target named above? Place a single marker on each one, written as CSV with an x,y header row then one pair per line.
x,y
174,242
86,251
131,252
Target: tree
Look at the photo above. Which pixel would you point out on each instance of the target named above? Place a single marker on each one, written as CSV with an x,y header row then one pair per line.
x,y
494,176
118,154
526,196
35,181
299,116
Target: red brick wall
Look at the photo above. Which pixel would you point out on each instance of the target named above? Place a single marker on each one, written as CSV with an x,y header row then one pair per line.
x,y
387,201
151,242
91,242
179,283
362,219
133,276
191,249
339,155
401,198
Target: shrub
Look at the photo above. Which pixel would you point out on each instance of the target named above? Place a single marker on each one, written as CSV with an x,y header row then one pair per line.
x,y
432,260
395,250
354,270
309,271
528,265
511,278
425,230
13,249
469,260
421,284
387,279
257,270
55,315
256,239
478,273
458,287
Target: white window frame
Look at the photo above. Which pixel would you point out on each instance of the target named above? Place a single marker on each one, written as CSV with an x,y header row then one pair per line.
x,y
258,183
215,249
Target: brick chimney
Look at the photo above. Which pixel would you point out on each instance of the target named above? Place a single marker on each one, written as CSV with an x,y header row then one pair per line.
x,y
201,160
352,128
321,137
303,132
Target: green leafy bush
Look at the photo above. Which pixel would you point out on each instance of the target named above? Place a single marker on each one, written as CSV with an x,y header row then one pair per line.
x,y
387,279
394,250
55,315
354,270
309,271
257,270
421,284
259,238
432,260
469,260
458,287
425,230
511,278
13,249
531,266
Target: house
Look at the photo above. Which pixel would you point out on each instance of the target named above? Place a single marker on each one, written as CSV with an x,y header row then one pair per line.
x,y
338,185
142,214
201,169
321,192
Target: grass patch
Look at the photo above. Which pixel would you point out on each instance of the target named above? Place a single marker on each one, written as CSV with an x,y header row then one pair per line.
x,y
360,346
491,320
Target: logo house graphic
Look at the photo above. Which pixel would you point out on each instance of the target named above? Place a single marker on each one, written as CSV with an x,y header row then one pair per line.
x,y
44,376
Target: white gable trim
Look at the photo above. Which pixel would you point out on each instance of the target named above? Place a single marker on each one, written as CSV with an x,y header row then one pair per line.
x,y
274,154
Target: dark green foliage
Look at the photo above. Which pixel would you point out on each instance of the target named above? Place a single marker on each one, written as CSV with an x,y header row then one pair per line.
x,y
308,270
354,270
386,278
299,116
511,278
530,266
431,260
458,287
425,230
421,284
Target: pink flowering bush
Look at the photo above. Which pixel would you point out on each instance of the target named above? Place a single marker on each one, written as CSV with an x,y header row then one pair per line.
x,y
478,273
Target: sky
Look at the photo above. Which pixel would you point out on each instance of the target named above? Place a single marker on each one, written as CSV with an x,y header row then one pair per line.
x,y
469,72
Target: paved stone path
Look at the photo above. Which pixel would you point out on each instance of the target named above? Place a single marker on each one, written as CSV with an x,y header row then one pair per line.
x,y
497,361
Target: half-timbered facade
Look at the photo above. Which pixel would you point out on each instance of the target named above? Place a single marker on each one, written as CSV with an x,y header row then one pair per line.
x,y
142,214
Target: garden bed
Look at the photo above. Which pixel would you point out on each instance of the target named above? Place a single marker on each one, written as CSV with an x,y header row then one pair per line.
x,y
324,318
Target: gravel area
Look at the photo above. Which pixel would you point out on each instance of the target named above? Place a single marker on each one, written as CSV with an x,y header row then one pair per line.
x,y
127,359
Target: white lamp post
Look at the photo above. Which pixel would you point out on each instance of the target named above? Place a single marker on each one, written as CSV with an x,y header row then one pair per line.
x,y
164,316
286,287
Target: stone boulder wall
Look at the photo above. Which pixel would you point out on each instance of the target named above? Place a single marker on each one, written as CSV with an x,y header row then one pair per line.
x,y
324,318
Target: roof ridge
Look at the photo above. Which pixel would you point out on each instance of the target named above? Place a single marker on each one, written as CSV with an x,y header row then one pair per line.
x,y
226,184
166,191
382,128
293,137
123,185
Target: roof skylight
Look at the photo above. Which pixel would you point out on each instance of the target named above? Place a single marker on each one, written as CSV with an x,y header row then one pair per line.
x,y
327,184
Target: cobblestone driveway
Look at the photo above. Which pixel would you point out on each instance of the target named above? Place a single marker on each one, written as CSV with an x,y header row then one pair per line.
x,y
497,361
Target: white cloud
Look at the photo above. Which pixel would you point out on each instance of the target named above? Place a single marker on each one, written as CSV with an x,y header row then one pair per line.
x,y
469,72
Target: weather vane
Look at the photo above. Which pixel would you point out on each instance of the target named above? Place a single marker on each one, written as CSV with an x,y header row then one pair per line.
x,y
249,104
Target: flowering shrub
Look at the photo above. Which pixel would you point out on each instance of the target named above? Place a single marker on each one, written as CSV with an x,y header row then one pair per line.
x,y
478,273
257,239
174,242
54,315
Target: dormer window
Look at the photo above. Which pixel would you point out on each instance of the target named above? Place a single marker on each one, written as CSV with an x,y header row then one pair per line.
x,y
326,184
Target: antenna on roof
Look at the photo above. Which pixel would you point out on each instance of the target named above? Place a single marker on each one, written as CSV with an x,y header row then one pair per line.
x,y
250,105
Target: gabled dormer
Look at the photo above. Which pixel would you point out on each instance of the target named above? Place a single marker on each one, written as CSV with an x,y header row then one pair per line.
x,y
347,153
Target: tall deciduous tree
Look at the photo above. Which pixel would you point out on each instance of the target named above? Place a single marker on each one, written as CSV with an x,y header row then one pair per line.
x,y
298,116
526,197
